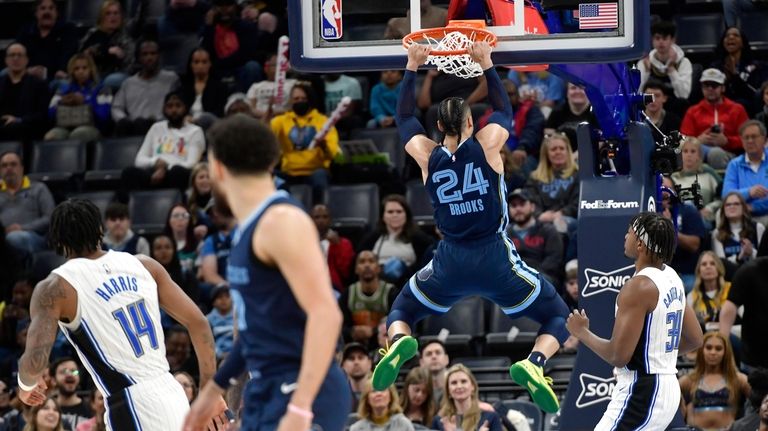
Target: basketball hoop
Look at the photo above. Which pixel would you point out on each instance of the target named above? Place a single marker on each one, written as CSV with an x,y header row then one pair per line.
x,y
449,46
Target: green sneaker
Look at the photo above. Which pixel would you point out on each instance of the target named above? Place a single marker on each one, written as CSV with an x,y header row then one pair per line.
x,y
531,377
394,357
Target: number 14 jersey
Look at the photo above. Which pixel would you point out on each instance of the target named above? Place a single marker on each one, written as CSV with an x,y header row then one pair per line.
x,y
116,330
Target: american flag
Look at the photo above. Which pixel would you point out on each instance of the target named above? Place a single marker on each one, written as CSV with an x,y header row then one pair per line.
x,y
598,15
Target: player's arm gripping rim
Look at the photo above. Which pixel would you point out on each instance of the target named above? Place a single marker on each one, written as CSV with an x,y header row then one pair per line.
x,y
52,299
412,133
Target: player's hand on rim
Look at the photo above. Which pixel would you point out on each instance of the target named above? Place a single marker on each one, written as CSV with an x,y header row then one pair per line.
x,y
577,323
480,53
417,55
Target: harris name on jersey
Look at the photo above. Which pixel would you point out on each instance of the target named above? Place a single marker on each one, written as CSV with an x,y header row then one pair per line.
x,y
116,285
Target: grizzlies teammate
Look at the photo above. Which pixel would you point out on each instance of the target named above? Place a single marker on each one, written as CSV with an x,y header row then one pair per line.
x,y
465,179
287,316
653,326
108,306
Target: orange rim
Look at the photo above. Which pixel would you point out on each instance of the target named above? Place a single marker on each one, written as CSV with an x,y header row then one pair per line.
x,y
474,29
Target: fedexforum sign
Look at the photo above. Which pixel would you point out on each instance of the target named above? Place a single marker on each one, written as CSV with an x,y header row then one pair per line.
x,y
610,204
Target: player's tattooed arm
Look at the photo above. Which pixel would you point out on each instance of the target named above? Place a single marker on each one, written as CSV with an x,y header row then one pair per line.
x,y
45,311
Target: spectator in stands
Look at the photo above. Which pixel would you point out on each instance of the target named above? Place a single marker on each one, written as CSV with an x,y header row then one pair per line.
x,y
380,411
736,237
667,62
566,117
25,206
180,227
118,235
338,86
199,196
188,383
170,150
237,103
164,252
762,115
514,177
96,423
338,250
434,359
49,41
384,99
715,390
758,382
417,398
6,392
110,45
743,72
544,88
396,240
205,94
12,261
763,412
139,103
177,350
81,108
665,121
554,185
366,301
690,234
23,98
694,169
460,407
438,86
221,319
431,16
215,252
182,17
539,244
66,376
715,121
748,173
236,44
710,290
357,365
304,162
262,95
45,417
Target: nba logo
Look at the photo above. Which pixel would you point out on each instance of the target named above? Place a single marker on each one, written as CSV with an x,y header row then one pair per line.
x,y
330,20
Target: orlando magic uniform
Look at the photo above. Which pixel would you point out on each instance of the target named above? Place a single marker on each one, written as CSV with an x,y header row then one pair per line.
x,y
647,393
118,337
475,257
271,337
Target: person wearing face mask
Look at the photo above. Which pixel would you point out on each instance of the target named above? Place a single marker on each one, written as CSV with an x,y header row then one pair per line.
x,y
303,163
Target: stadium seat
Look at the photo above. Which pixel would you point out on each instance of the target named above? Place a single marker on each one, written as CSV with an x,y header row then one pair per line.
x,y
149,209
110,157
487,368
15,146
702,32
43,262
501,340
353,205
530,410
82,13
303,194
551,421
465,323
57,161
175,51
100,199
421,206
387,141
754,26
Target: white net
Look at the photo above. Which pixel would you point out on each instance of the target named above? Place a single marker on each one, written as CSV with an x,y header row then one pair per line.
x,y
460,65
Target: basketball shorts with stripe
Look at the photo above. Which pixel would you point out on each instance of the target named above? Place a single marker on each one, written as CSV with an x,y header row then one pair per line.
x,y
158,404
641,402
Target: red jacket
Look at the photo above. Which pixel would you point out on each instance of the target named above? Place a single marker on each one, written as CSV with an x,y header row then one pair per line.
x,y
730,115
340,259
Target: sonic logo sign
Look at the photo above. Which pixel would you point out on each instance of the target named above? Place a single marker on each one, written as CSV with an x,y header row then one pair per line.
x,y
594,390
599,281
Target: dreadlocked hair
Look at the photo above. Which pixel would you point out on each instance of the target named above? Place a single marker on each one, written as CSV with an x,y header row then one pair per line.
x,y
451,114
75,228
657,233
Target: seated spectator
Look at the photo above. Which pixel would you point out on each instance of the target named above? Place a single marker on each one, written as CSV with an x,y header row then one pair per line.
x,y
380,411
744,74
80,109
748,173
566,117
710,290
188,384
180,227
12,262
182,17
758,382
118,235
715,121
431,16
110,45
25,206
216,247
66,376
261,95
438,86
221,319
178,347
139,103
23,98
295,130
554,185
49,41
763,413
164,252
514,177
338,250
338,86
667,62
545,89
396,240
460,407
96,423
434,359
199,195
694,169
715,390
205,94
737,235
383,102
366,301
170,150
664,120
237,103
539,244
690,234
417,399
235,44
45,417
356,364
762,114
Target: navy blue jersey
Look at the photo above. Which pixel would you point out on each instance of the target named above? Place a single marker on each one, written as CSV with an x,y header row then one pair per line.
x,y
270,321
468,196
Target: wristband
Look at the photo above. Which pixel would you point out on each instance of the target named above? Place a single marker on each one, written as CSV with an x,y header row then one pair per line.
x,y
23,386
306,414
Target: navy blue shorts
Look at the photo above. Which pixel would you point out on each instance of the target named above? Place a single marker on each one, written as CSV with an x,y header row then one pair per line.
x,y
266,400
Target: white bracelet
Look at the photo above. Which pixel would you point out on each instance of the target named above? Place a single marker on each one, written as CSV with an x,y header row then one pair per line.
x,y
24,387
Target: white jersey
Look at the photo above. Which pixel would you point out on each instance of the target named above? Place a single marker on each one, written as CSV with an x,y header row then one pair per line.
x,y
656,351
116,330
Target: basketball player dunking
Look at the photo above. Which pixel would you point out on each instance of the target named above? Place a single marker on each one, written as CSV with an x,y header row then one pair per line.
x,y
653,326
108,306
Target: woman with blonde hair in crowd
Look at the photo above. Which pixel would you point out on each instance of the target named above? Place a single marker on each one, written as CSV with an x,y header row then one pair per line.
x,y
554,184
694,169
110,45
737,236
710,290
380,411
418,398
715,390
460,408
45,417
